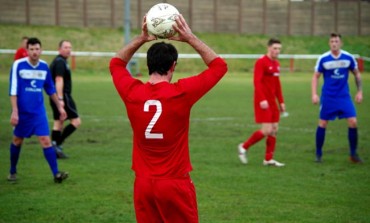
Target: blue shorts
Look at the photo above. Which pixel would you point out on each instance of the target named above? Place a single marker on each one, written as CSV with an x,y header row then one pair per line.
x,y
331,108
31,125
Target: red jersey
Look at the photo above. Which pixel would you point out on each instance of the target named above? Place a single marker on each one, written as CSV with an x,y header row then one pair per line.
x,y
159,115
21,52
266,81
267,87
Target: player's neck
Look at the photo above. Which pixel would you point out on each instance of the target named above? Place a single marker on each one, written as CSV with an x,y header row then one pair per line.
x,y
32,61
270,56
157,78
335,53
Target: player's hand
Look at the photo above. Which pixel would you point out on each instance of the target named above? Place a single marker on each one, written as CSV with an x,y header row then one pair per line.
x,y
61,102
315,99
63,114
264,104
183,30
282,107
358,97
14,118
144,31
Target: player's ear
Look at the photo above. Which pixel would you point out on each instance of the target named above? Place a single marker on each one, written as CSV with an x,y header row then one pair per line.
x,y
172,69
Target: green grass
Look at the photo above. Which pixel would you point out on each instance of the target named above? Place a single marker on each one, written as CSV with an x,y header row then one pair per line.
x,y
100,185
110,40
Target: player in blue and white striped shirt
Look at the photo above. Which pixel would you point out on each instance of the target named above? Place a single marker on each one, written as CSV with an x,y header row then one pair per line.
x,y
29,76
335,99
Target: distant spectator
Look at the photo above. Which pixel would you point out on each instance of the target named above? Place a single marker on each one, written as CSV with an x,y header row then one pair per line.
x,y
22,50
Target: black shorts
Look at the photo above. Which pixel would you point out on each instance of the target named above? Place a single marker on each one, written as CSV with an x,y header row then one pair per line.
x,y
69,107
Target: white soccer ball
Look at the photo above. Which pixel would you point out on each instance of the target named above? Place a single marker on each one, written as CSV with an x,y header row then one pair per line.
x,y
160,19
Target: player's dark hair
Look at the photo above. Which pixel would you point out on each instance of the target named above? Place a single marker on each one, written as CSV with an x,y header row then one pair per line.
x,y
33,41
335,35
160,57
24,37
273,41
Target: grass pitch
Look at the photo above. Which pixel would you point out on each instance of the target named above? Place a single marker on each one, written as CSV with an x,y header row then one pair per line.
x,y
100,185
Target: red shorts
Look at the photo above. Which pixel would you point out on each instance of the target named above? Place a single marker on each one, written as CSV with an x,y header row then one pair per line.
x,y
269,115
165,200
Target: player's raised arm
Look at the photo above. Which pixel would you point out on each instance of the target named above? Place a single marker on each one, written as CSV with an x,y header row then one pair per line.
x,y
128,51
186,35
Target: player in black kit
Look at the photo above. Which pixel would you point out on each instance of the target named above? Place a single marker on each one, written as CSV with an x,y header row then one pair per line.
x,y
63,83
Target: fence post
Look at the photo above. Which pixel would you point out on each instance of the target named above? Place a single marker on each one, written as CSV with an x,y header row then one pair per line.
x,y
73,62
360,63
291,67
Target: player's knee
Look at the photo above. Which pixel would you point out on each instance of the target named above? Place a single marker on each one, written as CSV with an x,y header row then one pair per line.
x,y
45,141
267,131
352,123
17,141
273,132
76,122
58,125
323,123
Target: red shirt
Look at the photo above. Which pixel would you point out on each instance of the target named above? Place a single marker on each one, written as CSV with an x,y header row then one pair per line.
x,y
21,52
159,115
266,81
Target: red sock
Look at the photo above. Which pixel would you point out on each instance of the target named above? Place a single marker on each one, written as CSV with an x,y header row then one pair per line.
x,y
255,137
270,147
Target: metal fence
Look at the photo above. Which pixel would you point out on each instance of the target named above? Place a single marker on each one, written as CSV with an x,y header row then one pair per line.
x,y
291,57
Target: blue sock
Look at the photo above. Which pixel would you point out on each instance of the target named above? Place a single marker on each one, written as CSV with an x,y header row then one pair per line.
x,y
51,157
320,138
14,156
352,138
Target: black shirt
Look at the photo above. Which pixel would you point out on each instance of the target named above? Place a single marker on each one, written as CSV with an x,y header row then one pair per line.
x,y
60,67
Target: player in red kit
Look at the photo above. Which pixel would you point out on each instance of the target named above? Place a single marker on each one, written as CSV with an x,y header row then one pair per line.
x,y
267,89
22,50
159,113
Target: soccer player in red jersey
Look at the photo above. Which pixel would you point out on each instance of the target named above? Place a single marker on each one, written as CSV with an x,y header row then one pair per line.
x,y
22,50
159,113
267,89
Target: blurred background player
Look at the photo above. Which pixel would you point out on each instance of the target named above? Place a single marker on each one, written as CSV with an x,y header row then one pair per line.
x,y
28,78
62,77
335,95
267,89
159,113
22,50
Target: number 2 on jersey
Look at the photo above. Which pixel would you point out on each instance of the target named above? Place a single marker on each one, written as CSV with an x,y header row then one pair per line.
x,y
148,130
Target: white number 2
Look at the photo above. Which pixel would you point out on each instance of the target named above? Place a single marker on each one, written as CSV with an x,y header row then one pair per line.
x,y
148,131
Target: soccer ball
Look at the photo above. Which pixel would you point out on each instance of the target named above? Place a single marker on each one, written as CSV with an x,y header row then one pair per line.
x,y
160,19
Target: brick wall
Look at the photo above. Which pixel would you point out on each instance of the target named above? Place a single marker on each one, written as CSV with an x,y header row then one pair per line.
x,y
272,17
